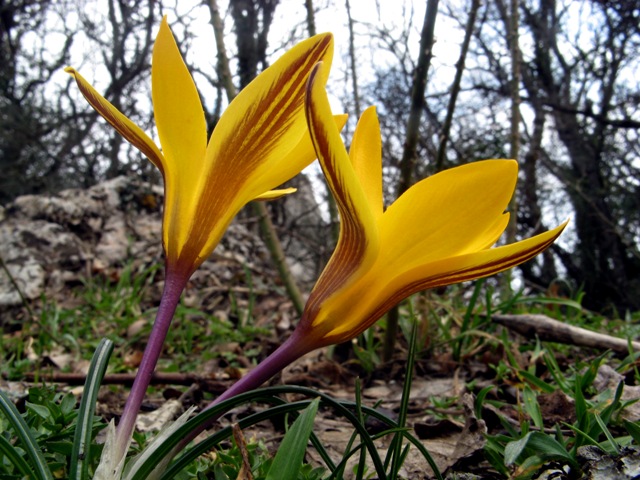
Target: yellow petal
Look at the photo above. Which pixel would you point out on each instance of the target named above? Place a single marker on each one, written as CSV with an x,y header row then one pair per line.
x,y
479,264
341,318
273,194
254,135
358,239
366,158
303,153
176,104
297,159
448,214
183,135
265,122
125,127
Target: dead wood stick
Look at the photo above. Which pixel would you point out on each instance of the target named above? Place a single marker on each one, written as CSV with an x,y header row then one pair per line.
x,y
551,330
125,379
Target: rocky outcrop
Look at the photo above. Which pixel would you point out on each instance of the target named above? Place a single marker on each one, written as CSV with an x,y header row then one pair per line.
x,y
50,243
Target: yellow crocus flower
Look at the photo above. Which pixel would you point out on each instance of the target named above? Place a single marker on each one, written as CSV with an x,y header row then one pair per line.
x,y
439,232
260,142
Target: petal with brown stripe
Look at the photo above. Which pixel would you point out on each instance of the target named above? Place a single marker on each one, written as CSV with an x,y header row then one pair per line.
x,y
358,240
250,145
249,152
125,127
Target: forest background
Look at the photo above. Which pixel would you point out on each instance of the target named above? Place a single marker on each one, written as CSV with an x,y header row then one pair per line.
x,y
550,83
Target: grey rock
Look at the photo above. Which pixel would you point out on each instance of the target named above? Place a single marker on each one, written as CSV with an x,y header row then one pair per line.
x,y
50,243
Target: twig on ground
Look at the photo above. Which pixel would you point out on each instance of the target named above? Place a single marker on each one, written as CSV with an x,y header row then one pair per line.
x,y
551,330
206,383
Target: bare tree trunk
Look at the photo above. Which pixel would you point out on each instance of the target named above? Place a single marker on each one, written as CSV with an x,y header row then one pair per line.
x,y
267,229
223,69
606,262
455,87
311,18
529,212
408,162
514,135
352,60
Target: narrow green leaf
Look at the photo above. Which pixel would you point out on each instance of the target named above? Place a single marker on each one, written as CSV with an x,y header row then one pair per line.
x,y
26,438
513,450
537,382
288,460
343,409
480,399
362,462
607,433
494,455
540,444
633,429
14,457
556,372
565,302
466,320
532,407
614,405
549,448
79,468
582,409
396,444
584,438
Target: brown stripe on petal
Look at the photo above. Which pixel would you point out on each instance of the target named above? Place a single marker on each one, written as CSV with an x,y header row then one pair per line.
x,y
352,242
106,110
346,259
459,276
264,125
256,134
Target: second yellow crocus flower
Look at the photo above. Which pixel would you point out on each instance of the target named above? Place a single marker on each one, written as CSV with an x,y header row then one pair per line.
x,y
439,232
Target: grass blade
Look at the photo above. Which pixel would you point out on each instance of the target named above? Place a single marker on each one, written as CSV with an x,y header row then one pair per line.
x,y
544,446
607,433
466,320
532,406
79,468
15,458
362,462
537,382
344,409
288,460
633,429
27,439
396,444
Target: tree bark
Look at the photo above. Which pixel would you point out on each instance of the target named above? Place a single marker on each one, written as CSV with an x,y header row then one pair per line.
x,y
455,87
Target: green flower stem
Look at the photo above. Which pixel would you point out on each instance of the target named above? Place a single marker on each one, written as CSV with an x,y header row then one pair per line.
x,y
173,286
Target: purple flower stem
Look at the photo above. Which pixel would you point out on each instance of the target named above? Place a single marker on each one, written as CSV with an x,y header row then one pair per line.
x,y
292,349
173,287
